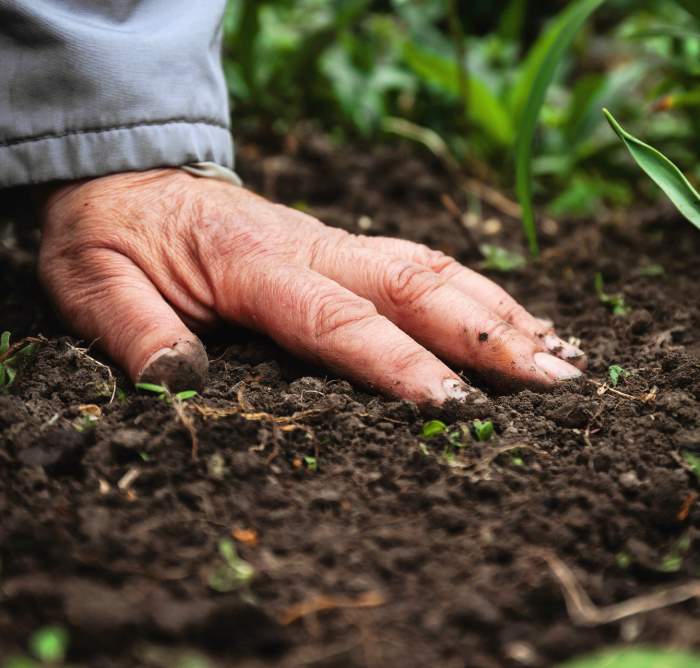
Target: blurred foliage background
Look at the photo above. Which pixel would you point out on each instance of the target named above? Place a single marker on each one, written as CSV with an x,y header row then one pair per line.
x,y
455,77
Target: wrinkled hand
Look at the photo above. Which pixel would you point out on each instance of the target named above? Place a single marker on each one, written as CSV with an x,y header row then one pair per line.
x,y
141,260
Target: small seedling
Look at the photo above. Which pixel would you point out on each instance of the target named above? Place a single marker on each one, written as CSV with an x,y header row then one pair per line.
x,y
694,462
234,573
673,561
49,644
10,357
517,461
616,302
652,270
164,394
482,431
433,428
623,560
311,463
500,259
616,373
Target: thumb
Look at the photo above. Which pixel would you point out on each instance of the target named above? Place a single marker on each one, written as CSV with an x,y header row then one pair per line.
x,y
104,296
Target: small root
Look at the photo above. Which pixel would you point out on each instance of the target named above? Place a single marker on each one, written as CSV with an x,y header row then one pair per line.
x,y
370,599
583,612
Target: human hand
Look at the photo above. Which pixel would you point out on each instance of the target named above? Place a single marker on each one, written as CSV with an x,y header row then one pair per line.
x,y
141,260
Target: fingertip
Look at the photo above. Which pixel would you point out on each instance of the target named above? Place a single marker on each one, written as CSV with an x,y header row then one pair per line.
x,y
183,366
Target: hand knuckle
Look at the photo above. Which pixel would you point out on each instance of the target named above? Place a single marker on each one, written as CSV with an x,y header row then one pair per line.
x,y
333,312
407,283
406,357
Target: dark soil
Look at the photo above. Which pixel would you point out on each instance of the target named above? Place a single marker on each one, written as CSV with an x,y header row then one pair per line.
x,y
112,530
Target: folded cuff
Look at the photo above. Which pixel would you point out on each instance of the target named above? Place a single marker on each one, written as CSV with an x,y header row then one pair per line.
x,y
90,153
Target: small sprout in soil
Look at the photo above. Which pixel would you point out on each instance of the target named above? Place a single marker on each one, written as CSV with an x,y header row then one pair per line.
x,y
10,358
652,270
163,393
616,373
616,302
424,449
497,258
145,457
482,431
623,560
49,644
673,561
694,462
311,463
193,661
517,461
235,572
433,428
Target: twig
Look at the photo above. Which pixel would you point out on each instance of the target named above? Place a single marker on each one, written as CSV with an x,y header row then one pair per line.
x,y
180,409
370,599
603,388
583,612
84,352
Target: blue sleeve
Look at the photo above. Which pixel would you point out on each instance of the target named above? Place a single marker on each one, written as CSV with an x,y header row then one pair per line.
x,y
94,87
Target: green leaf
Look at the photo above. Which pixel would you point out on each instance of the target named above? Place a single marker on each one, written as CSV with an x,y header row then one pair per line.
x,y
497,258
485,109
150,387
662,172
483,431
615,372
185,394
616,303
311,463
636,657
11,374
562,33
433,428
49,644
694,462
4,342
3,374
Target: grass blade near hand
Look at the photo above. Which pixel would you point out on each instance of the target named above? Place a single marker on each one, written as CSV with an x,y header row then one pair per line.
x,y
662,171
566,25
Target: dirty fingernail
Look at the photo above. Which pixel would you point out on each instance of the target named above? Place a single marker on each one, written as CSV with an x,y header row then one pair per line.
x,y
560,347
556,368
455,389
181,367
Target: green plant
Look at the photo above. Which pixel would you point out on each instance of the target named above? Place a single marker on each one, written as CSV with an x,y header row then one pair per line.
x,y
311,463
163,392
544,65
615,373
616,302
662,172
482,430
497,258
636,657
234,573
694,462
11,356
49,644
673,561
433,428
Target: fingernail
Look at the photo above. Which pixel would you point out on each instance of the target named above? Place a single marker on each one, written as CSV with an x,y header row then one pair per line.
x,y
560,347
181,367
455,389
556,368
546,323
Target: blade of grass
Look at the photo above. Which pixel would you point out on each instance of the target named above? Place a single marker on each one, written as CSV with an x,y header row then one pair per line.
x,y
567,25
662,172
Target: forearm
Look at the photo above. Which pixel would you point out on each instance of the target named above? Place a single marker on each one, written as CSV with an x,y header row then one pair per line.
x,y
98,88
